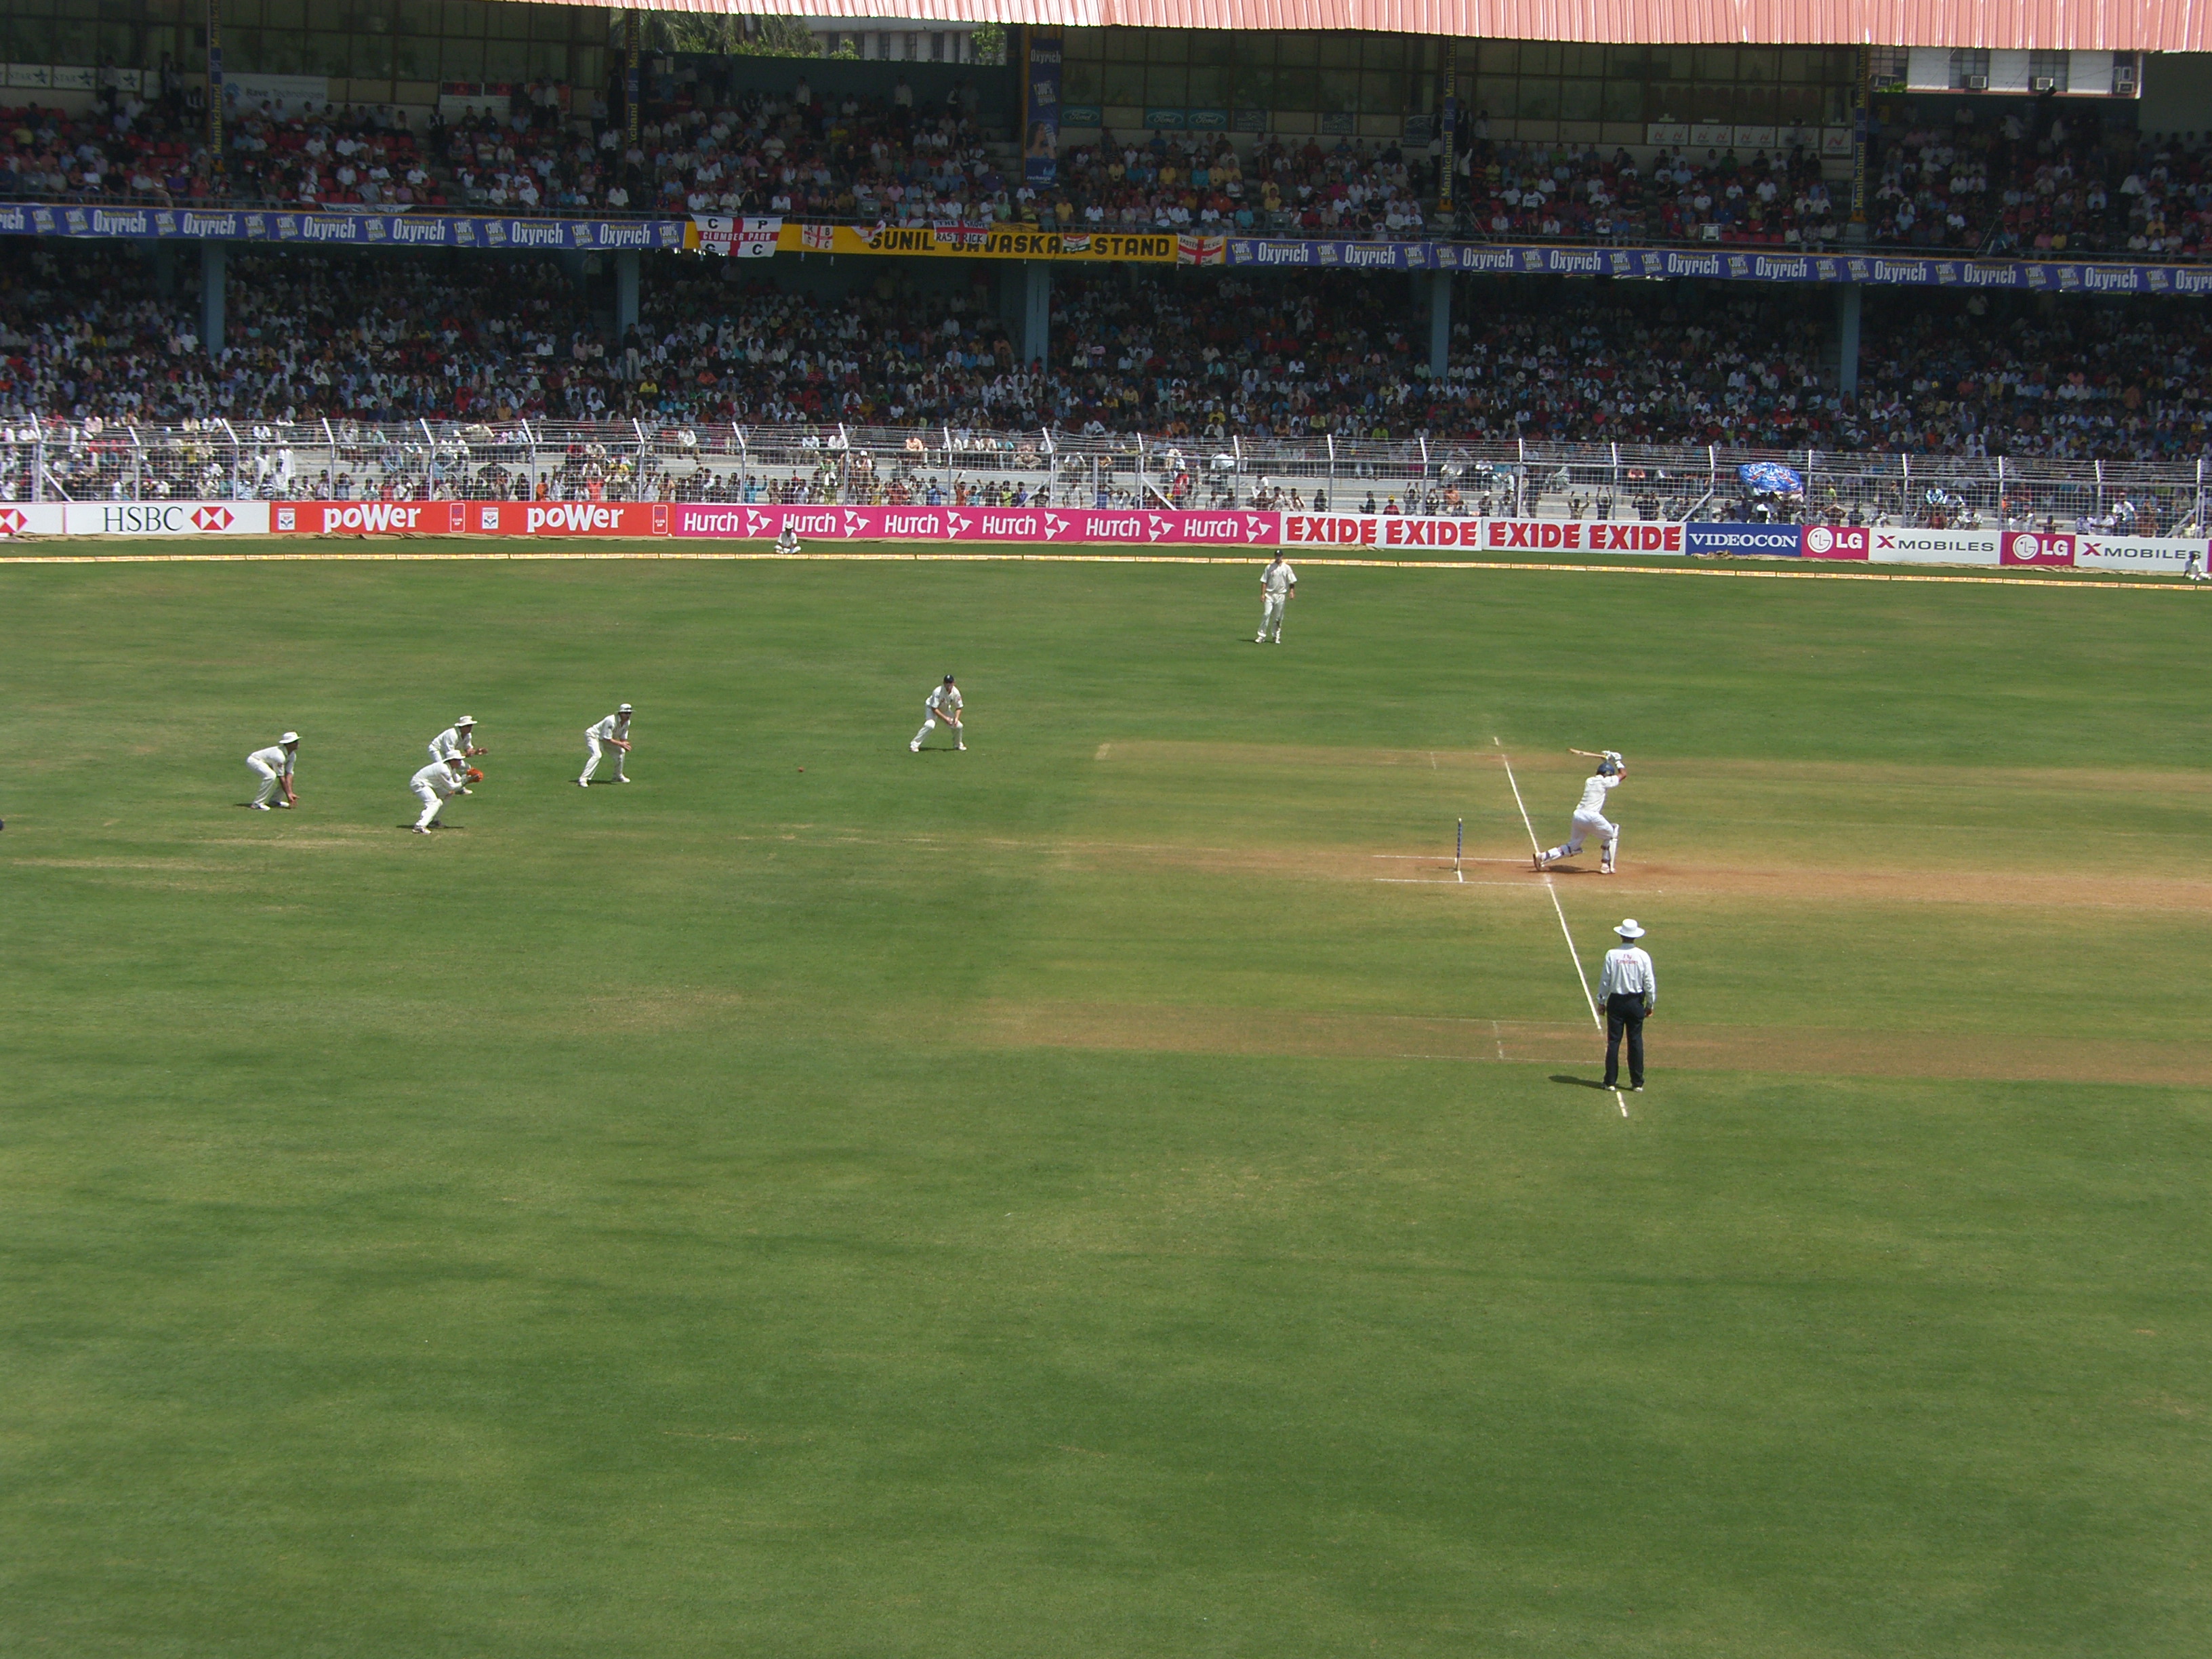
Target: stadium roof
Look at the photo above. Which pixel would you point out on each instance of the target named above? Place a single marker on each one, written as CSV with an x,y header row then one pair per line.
x,y
2032,25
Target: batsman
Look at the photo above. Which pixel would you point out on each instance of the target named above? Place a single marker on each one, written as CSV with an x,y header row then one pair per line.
x,y
1589,819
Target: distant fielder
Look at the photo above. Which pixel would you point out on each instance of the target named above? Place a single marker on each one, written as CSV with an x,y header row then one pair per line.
x,y
1278,582
612,733
942,704
437,784
273,766
458,738
787,542
1590,817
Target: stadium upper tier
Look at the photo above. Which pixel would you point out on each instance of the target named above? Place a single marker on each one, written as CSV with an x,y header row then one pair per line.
x,y
1999,187
1196,356
2036,25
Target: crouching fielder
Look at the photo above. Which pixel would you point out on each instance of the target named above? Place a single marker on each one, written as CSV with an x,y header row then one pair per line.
x,y
273,766
434,785
942,704
1589,819
612,733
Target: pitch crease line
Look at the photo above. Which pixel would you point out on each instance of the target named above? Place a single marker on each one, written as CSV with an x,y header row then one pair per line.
x,y
1558,909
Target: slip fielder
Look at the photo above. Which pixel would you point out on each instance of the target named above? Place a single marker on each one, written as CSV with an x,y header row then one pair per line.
x,y
1278,582
612,733
941,704
434,785
273,766
458,738
1589,819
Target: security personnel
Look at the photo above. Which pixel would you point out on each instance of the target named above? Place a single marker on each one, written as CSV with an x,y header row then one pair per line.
x,y
1630,990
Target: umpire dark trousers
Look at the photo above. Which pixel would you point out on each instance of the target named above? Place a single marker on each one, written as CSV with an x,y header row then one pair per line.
x,y
1624,1011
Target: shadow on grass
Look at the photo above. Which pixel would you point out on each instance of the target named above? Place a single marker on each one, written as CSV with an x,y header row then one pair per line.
x,y
1577,1081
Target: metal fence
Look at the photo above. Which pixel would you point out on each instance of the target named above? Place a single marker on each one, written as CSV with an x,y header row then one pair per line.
x,y
51,461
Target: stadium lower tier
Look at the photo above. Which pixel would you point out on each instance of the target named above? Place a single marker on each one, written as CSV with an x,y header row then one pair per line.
x,y
110,334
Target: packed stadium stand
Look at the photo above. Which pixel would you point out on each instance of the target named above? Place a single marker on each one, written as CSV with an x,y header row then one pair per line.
x,y
1351,159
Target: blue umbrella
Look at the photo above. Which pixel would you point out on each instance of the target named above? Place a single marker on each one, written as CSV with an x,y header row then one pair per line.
x,y
1771,479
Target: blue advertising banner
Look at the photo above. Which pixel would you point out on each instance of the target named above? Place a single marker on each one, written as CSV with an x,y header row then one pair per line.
x,y
1727,264
1763,541
355,227
1041,106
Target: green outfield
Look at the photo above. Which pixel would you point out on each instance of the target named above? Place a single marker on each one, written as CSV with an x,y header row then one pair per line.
x,y
1116,1191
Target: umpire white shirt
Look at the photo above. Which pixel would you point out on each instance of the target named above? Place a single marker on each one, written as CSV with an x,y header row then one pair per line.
x,y
1629,972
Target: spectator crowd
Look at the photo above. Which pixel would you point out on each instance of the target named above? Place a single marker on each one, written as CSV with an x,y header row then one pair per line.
x,y
2024,179
87,331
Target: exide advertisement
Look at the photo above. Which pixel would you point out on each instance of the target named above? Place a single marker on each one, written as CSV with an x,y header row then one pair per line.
x,y
1562,535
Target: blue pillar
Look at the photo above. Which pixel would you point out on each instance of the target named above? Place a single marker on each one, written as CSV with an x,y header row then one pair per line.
x,y
1440,286
1848,296
214,265
625,291
1036,310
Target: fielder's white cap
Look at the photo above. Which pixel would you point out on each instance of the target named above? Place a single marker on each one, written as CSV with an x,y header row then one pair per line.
x,y
289,737
466,719
624,709
1628,929
457,760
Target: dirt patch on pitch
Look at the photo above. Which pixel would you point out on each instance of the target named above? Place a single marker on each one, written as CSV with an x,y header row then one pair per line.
x,y
1819,1053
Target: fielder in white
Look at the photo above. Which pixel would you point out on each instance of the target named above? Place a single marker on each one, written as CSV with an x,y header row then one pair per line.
x,y
434,785
612,733
1590,817
1278,582
788,542
458,738
941,704
273,766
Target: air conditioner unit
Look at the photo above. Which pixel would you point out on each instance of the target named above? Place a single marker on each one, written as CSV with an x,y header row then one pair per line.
x,y
2043,84
1978,83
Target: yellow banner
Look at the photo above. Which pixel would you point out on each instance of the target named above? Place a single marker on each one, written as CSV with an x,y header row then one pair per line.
x,y
964,242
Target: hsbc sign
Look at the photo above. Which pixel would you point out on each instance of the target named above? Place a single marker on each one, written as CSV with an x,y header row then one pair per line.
x,y
166,518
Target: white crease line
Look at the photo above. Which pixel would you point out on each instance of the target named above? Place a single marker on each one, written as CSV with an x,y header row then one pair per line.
x,y
1439,881
1566,933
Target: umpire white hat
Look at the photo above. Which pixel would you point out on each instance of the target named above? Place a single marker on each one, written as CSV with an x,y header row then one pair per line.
x,y
1628,929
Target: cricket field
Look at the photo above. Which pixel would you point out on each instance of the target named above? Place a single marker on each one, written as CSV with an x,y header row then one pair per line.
x,y
1117,1191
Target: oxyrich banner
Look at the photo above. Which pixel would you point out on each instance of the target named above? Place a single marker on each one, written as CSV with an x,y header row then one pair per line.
x,y
980,242
372,226
1720,264
350,227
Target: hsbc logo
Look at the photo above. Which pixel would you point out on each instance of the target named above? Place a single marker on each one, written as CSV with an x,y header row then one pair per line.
x,y
12,521
213,518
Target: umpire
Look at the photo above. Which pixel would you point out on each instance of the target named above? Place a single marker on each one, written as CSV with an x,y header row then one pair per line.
x,y
1630,990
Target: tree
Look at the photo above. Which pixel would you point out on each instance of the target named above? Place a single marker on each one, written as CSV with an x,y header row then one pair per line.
x,y
730,35
988,43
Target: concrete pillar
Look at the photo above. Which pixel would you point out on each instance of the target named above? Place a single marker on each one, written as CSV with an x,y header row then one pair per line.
x,y
1848,296
625,291
1036,310
1440,287
215,266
